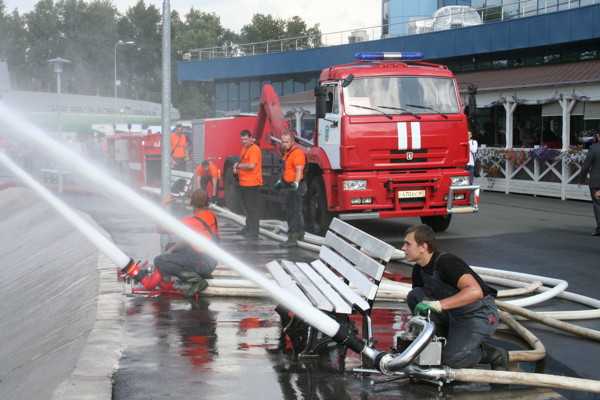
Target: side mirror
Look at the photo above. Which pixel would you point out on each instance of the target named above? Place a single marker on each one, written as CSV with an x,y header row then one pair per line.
x,y
348,80
320,105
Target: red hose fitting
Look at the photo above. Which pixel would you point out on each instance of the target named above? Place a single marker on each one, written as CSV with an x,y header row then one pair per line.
x,y
150,282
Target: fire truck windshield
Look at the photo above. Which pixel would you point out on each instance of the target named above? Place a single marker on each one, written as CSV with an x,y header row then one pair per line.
x,y
397,94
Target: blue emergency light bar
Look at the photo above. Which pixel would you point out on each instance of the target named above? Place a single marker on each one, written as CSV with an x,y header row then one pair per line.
x,y
377,56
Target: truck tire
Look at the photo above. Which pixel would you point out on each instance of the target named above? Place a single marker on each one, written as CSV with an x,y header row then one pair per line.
x,y
233,197
317,217
439,223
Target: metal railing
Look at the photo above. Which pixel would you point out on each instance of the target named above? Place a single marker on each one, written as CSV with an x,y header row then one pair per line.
x,y
517,9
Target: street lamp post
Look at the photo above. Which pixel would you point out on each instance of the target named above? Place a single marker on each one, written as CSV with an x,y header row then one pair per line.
x,y
120,42
58,69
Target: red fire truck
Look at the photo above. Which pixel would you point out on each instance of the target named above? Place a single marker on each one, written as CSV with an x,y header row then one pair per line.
x,y
391,141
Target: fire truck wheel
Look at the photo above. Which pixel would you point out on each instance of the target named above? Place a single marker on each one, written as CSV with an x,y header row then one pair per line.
x,y
233,199
318,218
439,223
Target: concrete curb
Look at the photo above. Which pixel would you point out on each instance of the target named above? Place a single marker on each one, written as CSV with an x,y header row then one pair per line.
x,y
92,375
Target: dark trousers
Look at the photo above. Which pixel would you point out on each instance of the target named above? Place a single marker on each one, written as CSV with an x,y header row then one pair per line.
x,y
293,206
204,185
468,327
596,206
179,164
250,200
186,258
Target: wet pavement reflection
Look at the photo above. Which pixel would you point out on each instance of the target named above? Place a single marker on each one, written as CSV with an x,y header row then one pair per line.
x,y
231,347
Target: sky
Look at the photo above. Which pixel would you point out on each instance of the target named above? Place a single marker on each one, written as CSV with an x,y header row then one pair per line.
x,y
331,15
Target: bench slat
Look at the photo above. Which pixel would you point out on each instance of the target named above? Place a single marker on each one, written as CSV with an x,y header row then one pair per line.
x,y
367,242
348,271
339,304
336,282
362,261
310,290
285,281
181,174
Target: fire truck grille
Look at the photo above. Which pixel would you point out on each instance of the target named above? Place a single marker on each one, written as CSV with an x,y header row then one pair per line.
x,y
412,201
408,156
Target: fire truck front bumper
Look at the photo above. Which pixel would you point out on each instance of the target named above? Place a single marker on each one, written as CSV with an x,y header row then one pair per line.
x,y
472,207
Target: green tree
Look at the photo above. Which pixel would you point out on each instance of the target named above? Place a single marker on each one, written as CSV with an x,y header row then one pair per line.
x,y
14,47
264,28
198,30
44,41
89,32
141,65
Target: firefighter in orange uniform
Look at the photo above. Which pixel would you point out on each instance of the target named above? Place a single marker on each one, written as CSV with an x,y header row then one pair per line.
x,y
294,188
179,153
249,171
184,261
205,173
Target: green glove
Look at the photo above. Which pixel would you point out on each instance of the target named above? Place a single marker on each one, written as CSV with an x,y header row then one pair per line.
x,y
294,186
425,307
277,187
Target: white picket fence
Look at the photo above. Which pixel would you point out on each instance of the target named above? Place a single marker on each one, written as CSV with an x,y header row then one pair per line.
x,y
535,177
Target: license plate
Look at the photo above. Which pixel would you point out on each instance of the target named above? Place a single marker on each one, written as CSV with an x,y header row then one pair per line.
x,y
411,194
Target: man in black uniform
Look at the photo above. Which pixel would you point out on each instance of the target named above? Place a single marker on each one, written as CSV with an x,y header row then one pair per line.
x,y
592,165
459,302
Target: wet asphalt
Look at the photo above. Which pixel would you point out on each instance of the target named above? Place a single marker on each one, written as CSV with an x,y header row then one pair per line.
x,y
229,348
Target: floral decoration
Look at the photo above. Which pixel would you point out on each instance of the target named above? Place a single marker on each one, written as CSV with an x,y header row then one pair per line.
x,y
543,153
516,157
574,155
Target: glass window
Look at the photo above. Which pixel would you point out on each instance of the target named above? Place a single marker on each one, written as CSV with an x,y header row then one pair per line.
x,y
278,86
589,54
254,90
332,100
234,91
500,64
517,62
220,108
244,90
483,65
510,11
221,91
233,106
401,95
288,87
551,58
245,106
534,60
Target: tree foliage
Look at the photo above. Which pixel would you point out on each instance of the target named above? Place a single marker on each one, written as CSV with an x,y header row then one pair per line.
x,y
86,32
264,28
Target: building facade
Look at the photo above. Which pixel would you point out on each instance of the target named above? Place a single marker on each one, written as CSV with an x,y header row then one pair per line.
x,y
534,62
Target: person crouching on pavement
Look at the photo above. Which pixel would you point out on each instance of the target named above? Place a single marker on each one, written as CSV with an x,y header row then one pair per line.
x,y
182,260
294,188
459,302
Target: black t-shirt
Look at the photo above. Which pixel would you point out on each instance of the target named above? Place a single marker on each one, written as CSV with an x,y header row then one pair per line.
x,y
451,269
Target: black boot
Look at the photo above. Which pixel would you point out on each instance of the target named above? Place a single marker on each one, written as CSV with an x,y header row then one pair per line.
x,y
292,240
497,357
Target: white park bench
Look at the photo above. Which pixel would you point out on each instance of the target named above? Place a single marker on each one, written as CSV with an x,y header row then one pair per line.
x,y
344,280
180,184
